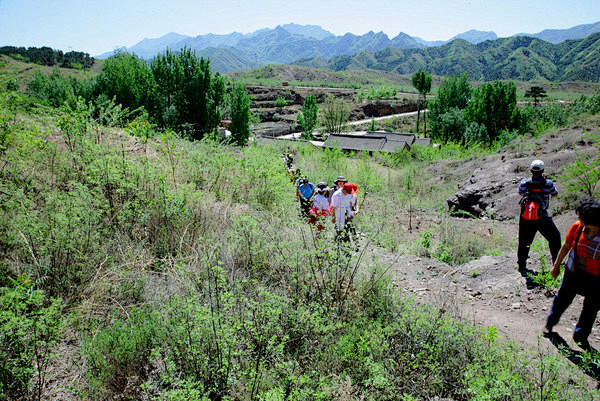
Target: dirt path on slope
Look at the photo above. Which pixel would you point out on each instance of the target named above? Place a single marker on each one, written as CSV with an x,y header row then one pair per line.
x,y
488,291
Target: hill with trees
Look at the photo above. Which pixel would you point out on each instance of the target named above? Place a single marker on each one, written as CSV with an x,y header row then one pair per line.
x,y
49,57
517,58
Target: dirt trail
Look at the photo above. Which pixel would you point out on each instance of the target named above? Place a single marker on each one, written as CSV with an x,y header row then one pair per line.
x,y
489,291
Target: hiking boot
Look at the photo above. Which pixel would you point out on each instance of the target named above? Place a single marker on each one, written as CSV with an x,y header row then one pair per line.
x,y
582,343
547,331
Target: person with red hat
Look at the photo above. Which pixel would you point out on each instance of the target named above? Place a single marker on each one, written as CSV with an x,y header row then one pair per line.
x,y
350,226
341,211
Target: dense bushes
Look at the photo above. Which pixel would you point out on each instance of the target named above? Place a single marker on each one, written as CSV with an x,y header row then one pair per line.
x,y
176,89
57,90
30,327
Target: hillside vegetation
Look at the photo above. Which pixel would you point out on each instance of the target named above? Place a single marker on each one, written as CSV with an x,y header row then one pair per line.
x,y
141,265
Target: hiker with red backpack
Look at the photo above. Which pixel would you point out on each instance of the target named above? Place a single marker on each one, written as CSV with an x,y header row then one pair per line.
x,y
536,192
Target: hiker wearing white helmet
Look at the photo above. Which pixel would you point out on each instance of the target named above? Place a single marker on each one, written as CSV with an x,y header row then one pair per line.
x,y
535,195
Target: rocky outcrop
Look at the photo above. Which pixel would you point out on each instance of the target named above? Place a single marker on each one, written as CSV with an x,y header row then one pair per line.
x,y
492,190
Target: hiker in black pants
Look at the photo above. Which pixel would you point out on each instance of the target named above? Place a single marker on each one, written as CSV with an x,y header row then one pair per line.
x,y
536,192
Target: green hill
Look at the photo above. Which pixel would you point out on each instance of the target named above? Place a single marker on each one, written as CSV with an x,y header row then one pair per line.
x,y
516,58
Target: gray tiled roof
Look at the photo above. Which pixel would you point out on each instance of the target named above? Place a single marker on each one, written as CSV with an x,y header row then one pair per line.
x,y
422,141
394,146
393,136
355,142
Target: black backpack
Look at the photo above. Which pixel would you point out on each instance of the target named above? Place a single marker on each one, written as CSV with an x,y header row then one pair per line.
x,y
533,206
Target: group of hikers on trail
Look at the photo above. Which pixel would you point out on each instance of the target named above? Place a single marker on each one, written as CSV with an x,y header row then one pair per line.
x,y
322,204
581,249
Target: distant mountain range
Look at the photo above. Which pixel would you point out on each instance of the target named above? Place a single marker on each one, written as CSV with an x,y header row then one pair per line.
x,y
518,58
312,45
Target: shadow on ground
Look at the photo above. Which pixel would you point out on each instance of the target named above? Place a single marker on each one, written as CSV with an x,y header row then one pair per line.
x,y
588,361
529,274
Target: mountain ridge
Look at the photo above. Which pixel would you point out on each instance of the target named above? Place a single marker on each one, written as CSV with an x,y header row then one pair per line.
x,y
293,43
518,58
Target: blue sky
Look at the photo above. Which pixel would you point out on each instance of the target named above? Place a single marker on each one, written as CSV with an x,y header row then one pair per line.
x,y
96,27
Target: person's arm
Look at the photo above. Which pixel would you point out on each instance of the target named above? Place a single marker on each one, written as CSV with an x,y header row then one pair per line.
x,y
334,204
564,251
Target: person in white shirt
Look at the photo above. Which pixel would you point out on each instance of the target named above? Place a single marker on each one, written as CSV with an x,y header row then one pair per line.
x,y
337,184
320,210
341,210
320,202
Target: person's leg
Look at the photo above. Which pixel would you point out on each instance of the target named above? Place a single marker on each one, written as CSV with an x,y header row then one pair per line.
x,y
306,205
549,231
591,305
586,321
562,300
527,232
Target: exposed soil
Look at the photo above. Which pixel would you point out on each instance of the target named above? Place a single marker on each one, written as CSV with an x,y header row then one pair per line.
x,y
488,291
277,120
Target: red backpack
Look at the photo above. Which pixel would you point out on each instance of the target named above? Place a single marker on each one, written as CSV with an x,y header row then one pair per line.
x,y
532,203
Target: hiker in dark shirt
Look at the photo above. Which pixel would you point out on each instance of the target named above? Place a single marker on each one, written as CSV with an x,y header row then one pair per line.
x,y
536,192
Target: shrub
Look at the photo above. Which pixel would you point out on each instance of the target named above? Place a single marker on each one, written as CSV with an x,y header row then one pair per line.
x,y
30,327
281,102
118,355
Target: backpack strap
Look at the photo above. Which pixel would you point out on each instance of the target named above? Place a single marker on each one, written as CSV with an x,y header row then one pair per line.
x,y
535,191
577,240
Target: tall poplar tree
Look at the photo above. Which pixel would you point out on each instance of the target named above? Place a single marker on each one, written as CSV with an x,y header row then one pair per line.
x,y
422,82
308,117
239,113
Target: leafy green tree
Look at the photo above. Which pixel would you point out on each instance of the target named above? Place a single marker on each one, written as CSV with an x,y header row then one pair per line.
x,y
335,115
422,82
129,79
200,96
189,93
494,105
452,97
536,92
308,117
239,113
166,70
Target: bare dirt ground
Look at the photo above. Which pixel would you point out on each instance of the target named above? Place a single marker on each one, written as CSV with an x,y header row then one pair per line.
x,y
488,291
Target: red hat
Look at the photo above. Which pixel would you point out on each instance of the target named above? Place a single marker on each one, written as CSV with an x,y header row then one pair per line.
x,y
354,189
347,188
